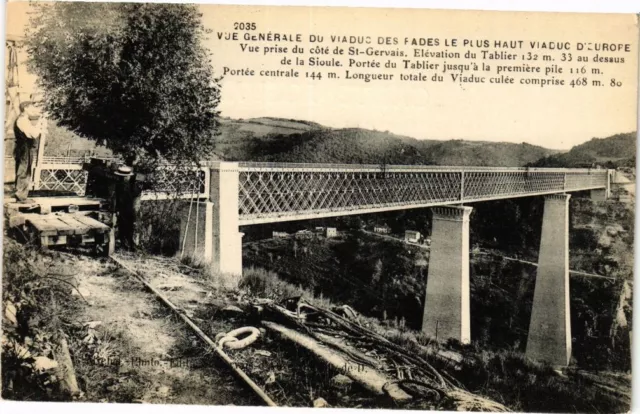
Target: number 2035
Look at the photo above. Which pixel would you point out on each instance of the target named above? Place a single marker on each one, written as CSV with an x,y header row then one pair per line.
x,y
244,26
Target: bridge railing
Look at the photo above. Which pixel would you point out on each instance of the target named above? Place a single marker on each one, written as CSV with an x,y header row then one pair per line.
x,y
286,166
61,177
178,182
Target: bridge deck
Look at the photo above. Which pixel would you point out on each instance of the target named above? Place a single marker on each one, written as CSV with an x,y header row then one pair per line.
x,y
271,192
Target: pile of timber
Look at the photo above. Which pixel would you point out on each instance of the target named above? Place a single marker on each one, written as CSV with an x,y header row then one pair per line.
x,y
55,221
371,360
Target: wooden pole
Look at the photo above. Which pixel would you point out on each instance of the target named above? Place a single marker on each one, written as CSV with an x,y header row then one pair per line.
x,y
68,382
368,377
40,156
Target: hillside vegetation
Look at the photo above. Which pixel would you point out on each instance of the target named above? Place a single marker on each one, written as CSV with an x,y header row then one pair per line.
x,y
386,278
275,140
616,151
285,140
62,142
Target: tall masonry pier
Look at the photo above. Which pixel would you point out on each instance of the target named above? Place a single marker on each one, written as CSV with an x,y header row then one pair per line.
x,y
446,310
549,337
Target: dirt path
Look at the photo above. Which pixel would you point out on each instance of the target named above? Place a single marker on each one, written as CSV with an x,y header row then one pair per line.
x,y
134,350
398,240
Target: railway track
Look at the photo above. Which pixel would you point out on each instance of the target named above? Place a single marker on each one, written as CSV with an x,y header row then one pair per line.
x,y
276,370
217,348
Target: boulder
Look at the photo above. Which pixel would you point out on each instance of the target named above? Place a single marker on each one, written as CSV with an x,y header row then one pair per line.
x,y
320,403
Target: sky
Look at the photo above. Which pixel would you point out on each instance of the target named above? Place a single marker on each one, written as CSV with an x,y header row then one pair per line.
x,y
559,117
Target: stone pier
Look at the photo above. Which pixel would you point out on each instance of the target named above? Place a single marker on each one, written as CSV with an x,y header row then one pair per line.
x,y
226,254
446,310
549,337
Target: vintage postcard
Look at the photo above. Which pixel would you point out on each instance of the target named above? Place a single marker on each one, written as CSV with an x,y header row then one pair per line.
x,y
338,207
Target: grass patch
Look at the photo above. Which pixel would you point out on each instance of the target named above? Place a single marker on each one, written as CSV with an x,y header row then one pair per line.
x,y
265,284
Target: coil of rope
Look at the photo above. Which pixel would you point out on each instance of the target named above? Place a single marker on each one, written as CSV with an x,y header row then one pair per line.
x,y
231,339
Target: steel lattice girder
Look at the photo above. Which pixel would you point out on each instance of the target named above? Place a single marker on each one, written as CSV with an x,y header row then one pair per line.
x,y
181,182
288,192
63,179
170,181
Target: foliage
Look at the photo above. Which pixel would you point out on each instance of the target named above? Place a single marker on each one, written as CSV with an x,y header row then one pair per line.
x,y
378,278
264,284
592,318
508,377
35,307
130,75
61,142
513,226
158,225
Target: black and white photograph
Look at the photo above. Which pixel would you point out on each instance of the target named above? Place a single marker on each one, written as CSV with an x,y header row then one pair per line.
x,y
314,206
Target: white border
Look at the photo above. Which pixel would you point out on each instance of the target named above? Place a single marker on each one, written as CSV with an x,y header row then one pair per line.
x,y
584,6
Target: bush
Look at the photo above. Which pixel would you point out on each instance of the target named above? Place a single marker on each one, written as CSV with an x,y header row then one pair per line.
x,y
262,283
158,226
35,307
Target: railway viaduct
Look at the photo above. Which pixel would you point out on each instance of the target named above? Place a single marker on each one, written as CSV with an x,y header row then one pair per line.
x,y
230,195
233,194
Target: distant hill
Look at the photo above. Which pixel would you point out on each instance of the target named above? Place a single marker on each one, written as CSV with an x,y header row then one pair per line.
x,y
278,140
326,145
615,151
61,142
482,153
243,139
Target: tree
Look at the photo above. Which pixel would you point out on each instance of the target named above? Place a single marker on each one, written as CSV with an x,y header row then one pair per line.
x,y
134,77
